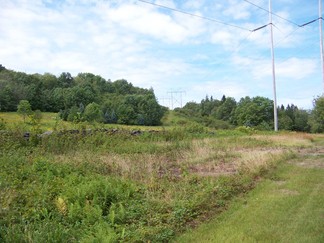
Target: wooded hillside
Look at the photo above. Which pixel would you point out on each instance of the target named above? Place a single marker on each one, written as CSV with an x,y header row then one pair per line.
x,y
86,96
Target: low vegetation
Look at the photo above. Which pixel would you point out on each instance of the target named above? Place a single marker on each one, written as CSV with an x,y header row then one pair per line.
x,y
286,207
96,183
80,175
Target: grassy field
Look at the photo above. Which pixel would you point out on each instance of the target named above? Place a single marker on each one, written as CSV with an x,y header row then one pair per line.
x,y
51,121
117,187
288,207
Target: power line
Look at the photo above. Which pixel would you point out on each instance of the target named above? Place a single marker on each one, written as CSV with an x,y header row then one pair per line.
x,y
271,13
284,38
228,24
299,25
195,15
242,28
237,48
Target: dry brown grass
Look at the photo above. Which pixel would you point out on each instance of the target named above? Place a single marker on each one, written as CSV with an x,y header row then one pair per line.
x,y
288,192
254,160
312,162
204,157
289,139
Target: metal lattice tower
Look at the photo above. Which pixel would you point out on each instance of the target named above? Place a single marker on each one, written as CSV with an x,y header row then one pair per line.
x,y
176,97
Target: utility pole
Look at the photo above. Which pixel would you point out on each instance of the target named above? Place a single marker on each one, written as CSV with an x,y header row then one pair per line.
x,y
275,110
321,40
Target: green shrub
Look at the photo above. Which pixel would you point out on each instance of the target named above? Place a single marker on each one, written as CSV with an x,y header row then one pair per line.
x,y
195,128
101,233
246,130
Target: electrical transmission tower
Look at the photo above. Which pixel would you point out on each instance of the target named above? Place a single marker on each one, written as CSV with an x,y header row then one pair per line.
x,y
176,97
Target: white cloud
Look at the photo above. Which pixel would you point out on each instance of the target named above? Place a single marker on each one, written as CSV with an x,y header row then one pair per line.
x,y
297,68
238,10
292,68
194,4
217,88
222,37
147,22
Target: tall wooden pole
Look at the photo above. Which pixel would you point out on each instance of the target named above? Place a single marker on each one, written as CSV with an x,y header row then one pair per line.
x,y
321,40
275,111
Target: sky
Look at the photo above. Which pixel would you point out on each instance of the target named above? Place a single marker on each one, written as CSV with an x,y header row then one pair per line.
x,y
178,55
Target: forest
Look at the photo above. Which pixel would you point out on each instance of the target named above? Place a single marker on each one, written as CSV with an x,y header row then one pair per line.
x,y
256,112
86,97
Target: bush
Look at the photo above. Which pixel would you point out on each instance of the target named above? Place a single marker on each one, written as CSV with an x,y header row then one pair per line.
x,y
246,130
93,113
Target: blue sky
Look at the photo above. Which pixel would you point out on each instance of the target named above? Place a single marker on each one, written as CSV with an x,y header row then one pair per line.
x,y
167,50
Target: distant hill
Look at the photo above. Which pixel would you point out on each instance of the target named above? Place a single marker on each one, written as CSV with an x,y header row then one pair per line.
x,y
119,101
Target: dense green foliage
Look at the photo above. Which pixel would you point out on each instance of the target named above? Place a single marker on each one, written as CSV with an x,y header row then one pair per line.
x,y
119,101
24,108
256,112
317,119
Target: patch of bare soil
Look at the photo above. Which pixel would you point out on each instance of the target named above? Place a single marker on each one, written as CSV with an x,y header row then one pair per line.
x,y
171,171
215,170
311,158
316,151
248,158
288,192
280,183
311,163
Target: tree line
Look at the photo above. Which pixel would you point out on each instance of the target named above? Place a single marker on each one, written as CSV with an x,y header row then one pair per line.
x,y
256,112
86,97
89,97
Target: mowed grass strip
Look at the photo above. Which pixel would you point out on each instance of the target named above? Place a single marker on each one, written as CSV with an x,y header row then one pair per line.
x,y
288,207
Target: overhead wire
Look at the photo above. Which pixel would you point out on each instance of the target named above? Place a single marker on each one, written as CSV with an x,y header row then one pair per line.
x,y
237,48
239,27
292,22
282,61
285,37
195,15
229,24
274,14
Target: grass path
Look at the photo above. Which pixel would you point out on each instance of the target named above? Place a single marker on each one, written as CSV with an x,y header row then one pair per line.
x,y
288,207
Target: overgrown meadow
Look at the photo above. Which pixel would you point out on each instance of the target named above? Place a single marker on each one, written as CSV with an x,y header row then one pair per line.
x,y
92,183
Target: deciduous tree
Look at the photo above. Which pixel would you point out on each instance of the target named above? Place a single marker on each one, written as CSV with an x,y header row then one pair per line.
x,y
24,109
